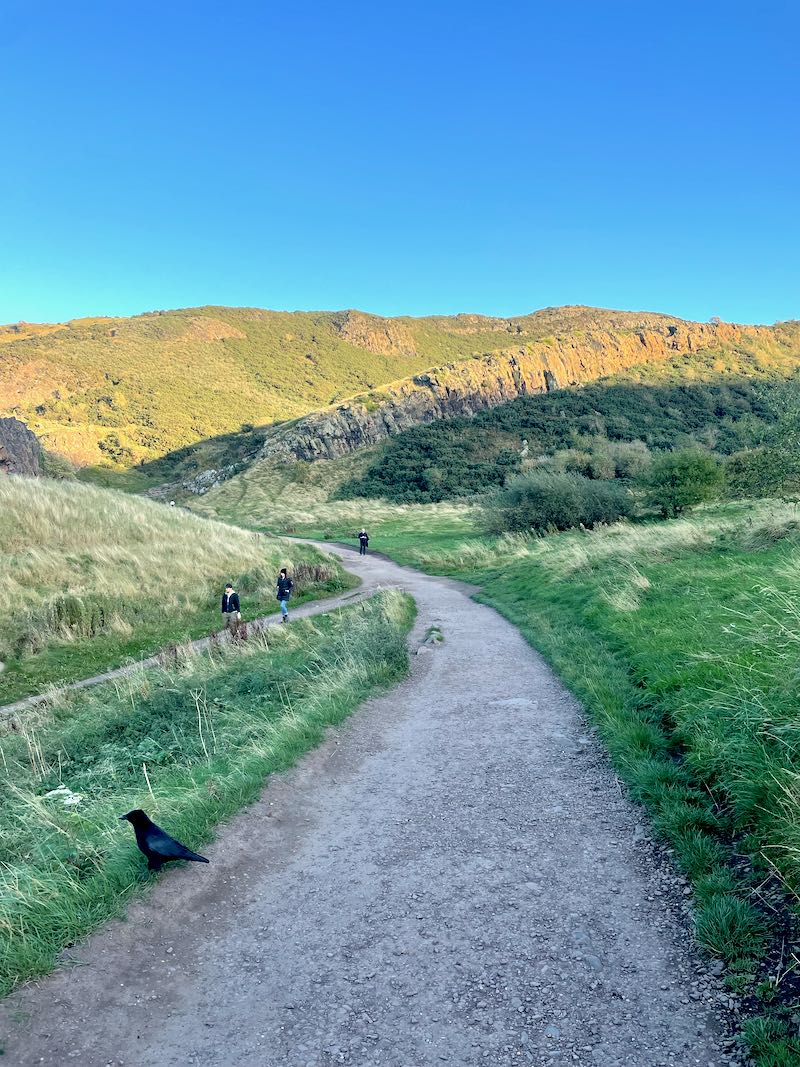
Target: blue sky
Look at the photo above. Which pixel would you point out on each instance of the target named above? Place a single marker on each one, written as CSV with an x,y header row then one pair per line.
x,y
401,158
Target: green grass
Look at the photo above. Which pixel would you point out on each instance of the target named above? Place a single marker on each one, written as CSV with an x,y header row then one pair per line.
x,y
191,747
294,498
90,578
772,1042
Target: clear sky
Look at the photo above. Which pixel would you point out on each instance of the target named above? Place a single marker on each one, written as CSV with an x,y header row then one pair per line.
x,y
411,157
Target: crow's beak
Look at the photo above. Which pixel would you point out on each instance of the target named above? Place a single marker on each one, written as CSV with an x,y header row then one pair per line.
x,y
123,818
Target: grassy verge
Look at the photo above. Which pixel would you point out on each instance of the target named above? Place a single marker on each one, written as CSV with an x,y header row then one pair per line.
x,y
91,578
208,734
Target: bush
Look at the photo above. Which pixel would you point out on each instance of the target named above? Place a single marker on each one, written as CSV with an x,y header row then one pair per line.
x,y
678,480
603,460
631,458
757,472
544,501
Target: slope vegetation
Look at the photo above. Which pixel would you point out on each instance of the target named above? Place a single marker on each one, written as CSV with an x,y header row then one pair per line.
x,y
603,430
644,348
90,577
120,391
125,393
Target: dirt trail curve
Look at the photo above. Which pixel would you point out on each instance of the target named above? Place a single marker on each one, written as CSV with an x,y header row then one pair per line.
x,y
453,878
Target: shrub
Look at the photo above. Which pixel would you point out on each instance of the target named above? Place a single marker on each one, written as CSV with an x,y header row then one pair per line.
x,y
631,458
542,501
678,480
760,472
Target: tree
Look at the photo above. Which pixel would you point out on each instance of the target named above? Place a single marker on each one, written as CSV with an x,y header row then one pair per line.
x,y
679,480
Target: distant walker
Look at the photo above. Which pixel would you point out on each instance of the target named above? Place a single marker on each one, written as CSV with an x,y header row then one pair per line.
x,y
363,541
285,587
231,611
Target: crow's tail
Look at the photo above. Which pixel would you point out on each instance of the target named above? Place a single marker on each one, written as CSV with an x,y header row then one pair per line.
x,y
193,856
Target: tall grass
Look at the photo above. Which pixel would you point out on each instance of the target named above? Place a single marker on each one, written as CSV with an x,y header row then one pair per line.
x,y
190,746
89,575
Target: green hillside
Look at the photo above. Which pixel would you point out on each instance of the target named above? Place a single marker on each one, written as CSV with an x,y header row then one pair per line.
x,y
90,577
595,431
117,391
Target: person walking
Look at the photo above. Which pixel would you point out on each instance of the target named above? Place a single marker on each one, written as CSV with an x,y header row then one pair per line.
x,y
363,541
285,587
231,611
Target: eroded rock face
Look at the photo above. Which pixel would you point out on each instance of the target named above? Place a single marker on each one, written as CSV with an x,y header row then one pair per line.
x,y
469,386
374,334
19,449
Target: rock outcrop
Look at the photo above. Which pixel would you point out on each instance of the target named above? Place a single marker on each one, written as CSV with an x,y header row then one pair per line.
x,y
19,449
485,381
375,334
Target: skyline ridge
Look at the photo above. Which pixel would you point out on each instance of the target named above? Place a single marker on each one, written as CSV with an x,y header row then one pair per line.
x,y
395,315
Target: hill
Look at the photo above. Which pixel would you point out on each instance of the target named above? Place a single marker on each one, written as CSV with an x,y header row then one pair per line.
x,y
168,392
90,577
119,391
644,348
603,430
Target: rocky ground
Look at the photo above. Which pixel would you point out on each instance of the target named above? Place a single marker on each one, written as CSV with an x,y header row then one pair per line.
x,y
454,877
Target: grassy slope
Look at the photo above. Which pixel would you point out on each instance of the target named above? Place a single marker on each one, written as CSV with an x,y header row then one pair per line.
x,y
154,383
209,735
716,396
112,394
294,498
89,578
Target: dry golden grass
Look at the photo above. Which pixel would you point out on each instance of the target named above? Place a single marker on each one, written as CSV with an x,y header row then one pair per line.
x,y
76,561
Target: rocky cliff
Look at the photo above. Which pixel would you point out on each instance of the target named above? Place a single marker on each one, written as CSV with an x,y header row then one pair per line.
x,y
19,449
471,385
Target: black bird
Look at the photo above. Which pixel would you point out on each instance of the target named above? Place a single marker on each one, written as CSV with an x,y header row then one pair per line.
x,y
159,847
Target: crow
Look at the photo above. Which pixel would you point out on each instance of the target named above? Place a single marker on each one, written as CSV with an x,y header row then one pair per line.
x,y
159,847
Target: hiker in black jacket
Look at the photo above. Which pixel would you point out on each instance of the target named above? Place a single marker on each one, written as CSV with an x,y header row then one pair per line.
x,y
285,587
363,541
231,611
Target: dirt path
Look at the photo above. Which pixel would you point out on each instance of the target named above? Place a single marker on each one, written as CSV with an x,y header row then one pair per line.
x,y
453,878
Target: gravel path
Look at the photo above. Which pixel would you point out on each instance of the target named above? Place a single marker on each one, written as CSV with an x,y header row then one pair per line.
x,y
454,877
